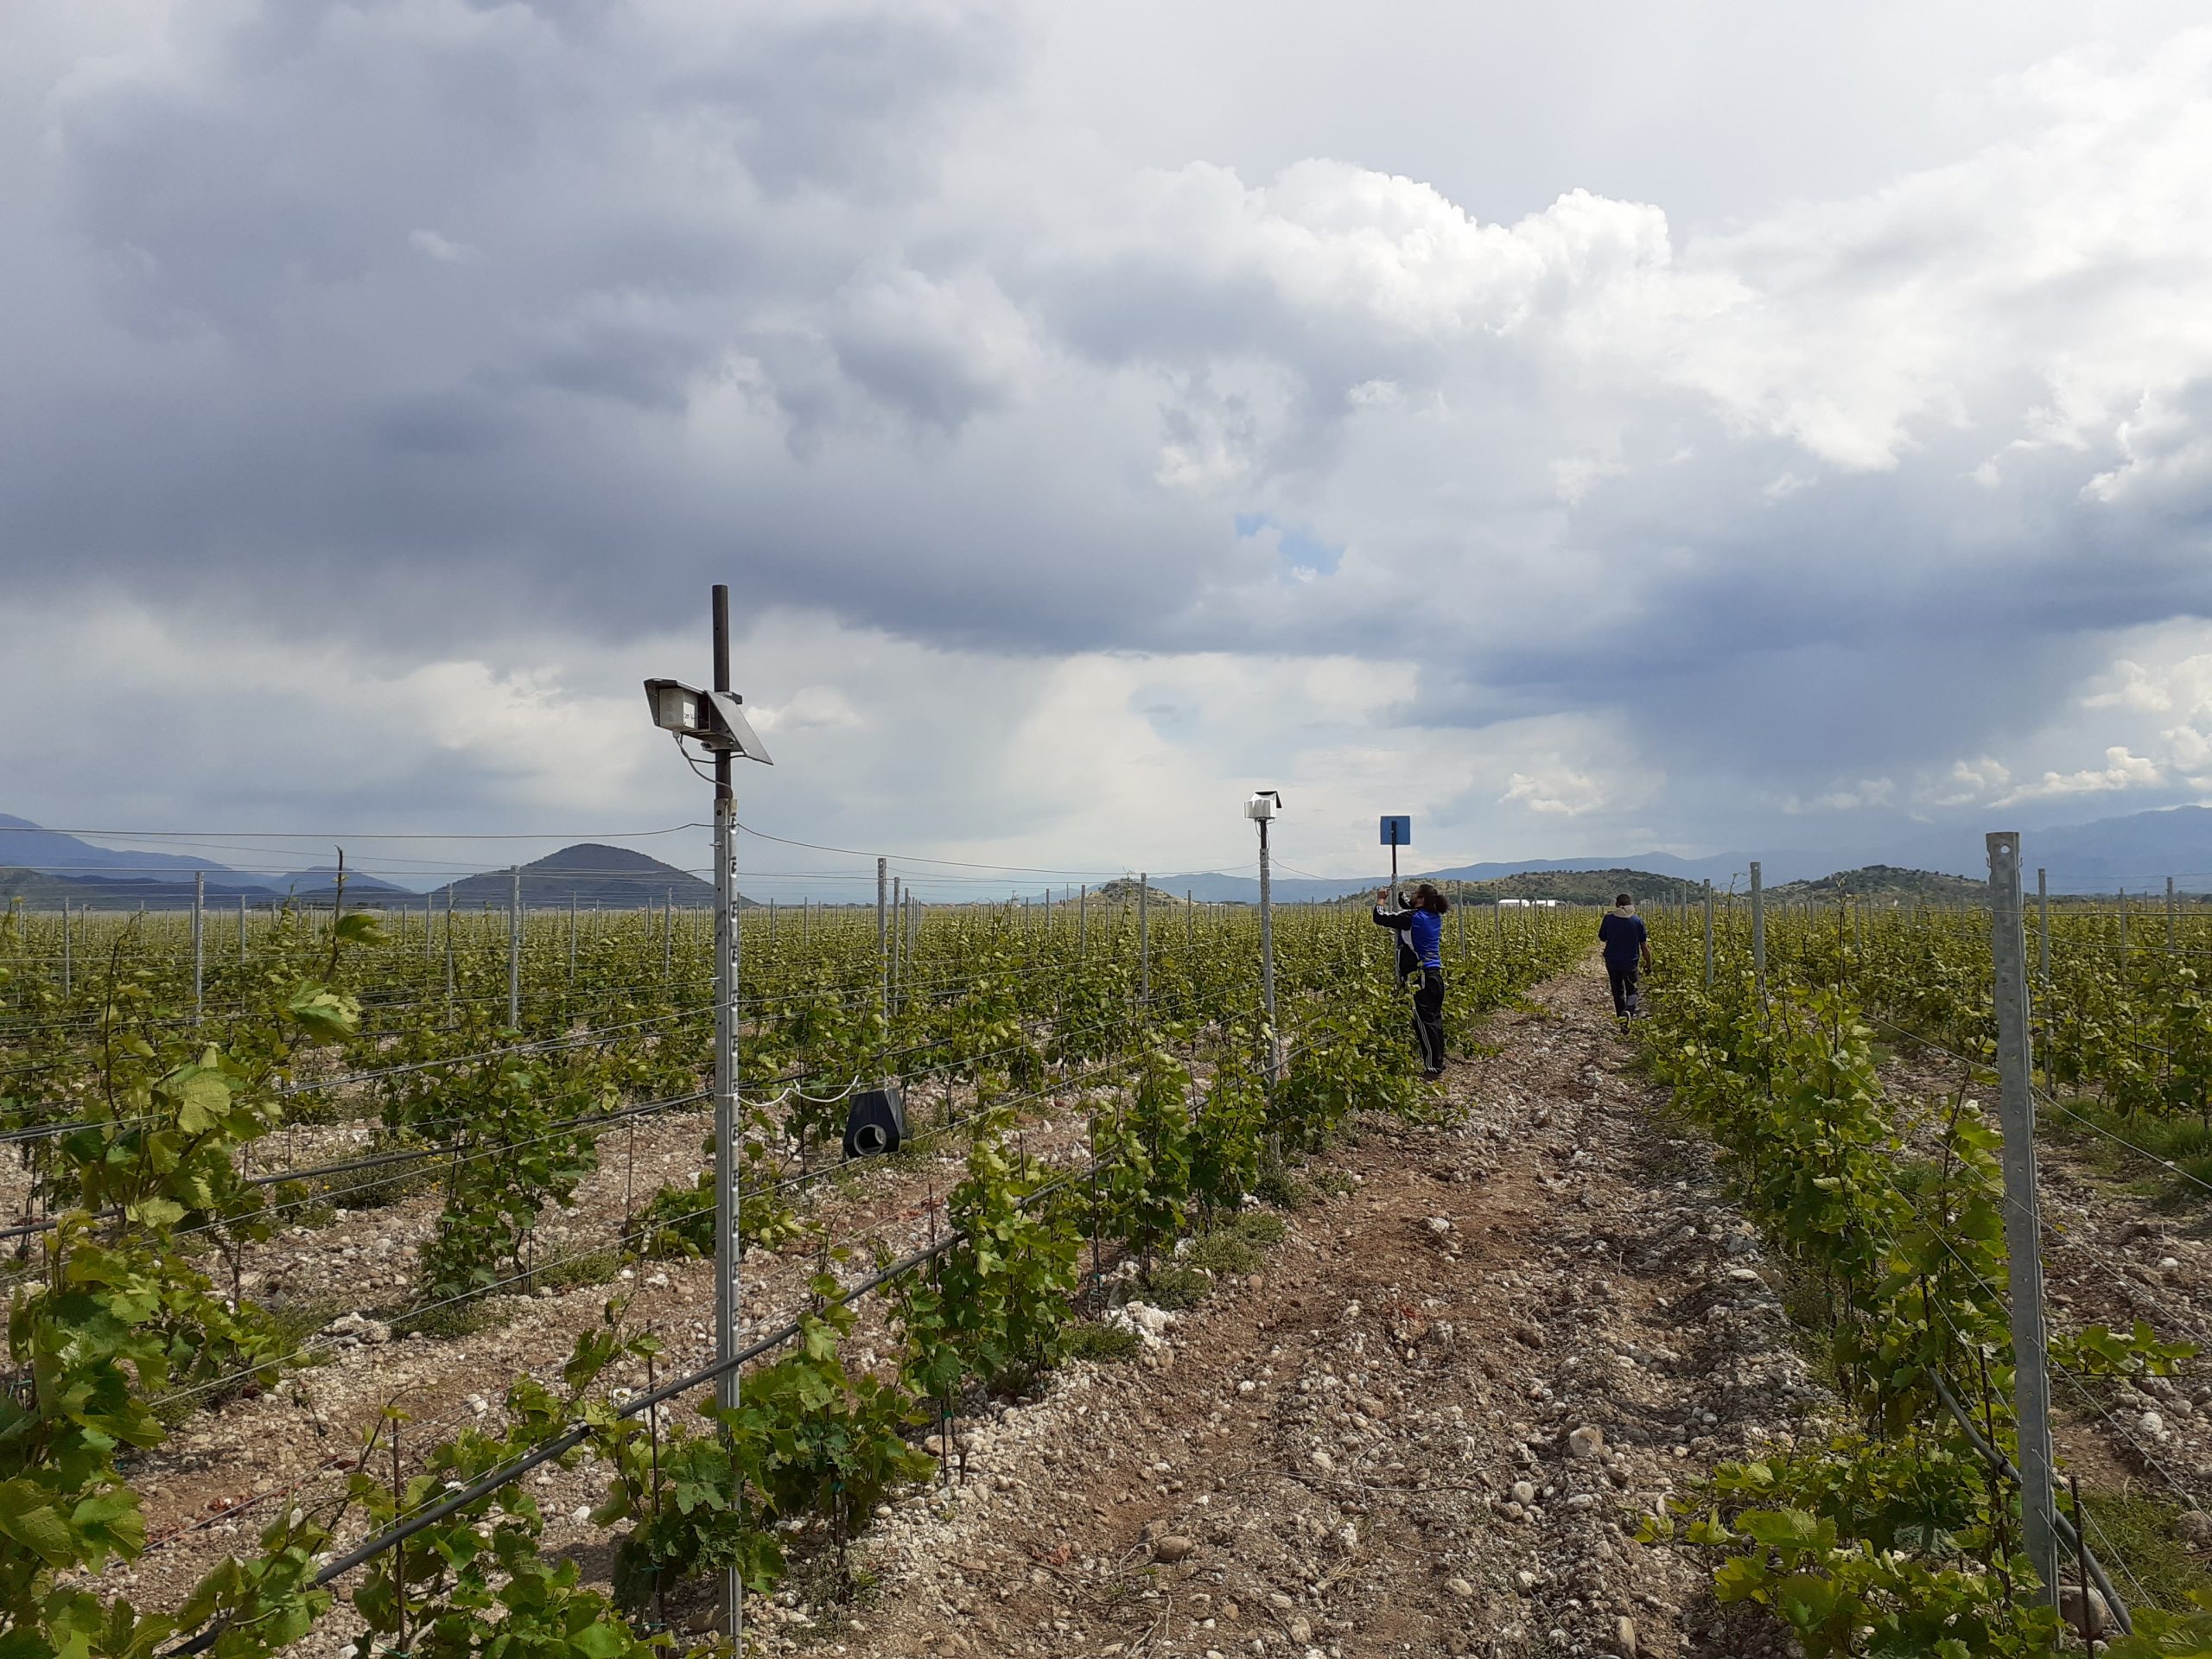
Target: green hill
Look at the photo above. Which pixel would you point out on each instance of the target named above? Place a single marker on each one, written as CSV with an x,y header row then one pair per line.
x,y
1885,882
591,874
1122,890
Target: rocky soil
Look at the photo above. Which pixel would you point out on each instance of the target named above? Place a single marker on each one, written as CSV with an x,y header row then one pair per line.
x,y
1431,1424
226,1470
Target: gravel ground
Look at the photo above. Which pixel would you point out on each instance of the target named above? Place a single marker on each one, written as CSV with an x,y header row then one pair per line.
x,y
1431,1425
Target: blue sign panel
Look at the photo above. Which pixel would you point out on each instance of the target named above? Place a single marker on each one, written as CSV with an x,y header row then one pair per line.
x,y
1397,831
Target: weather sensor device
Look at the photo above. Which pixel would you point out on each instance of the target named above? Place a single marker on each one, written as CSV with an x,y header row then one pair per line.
x,y
875,1123
1264,805
712,719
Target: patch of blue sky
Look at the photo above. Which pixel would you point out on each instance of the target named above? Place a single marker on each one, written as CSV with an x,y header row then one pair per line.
x,y
1303,554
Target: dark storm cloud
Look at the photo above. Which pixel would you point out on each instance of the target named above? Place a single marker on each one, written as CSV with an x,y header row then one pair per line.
x,y
441,301
495,317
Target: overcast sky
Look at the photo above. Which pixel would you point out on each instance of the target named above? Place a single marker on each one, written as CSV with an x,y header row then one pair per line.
x,y
1586,428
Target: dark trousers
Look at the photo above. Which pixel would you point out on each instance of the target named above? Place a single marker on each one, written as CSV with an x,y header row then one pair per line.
x,y
1428,1017
1625,989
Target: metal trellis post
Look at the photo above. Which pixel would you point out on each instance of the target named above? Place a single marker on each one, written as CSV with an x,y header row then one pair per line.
x,y
514,947
2022,1235
898,939
1708,936
2043,925
1144,938
1758,934
199,943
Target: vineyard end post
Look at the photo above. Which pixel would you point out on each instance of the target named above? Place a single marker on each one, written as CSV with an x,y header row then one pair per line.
x,y
2043,927
2023,1234
514,947
199,958
1758,934
1144,940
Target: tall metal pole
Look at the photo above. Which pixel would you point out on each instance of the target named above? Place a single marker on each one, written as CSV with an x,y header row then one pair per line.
x,y
1708,936
199,941
572,938
1144,938
430,928
2170,940
1267,957
1758,934
241,929
1082,919
2023,1234
66,976
727,1303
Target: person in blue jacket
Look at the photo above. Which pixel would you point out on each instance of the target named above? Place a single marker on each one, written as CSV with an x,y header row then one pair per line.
x,y
1420,928
1628,954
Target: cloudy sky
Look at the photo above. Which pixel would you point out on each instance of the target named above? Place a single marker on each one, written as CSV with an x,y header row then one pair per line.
x,y
1695,425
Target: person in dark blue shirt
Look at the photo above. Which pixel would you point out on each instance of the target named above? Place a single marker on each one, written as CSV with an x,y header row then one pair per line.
x,y
1628,954
1419,927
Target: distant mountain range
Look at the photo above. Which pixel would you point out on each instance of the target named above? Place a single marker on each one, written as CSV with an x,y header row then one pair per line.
x,y
2138,852
45,868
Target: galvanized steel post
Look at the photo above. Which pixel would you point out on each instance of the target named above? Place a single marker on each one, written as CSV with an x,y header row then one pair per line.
x,y
1758,934
198,945
514,947
2023,1233
1708,936
2043,925
1144,938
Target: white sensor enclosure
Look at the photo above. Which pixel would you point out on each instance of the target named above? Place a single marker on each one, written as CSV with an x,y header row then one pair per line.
x,y
712,719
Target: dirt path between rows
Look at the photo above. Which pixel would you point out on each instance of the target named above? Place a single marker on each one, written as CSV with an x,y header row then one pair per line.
x,y
1430,1426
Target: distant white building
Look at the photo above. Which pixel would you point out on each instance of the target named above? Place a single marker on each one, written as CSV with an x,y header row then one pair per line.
x,y
1527,904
